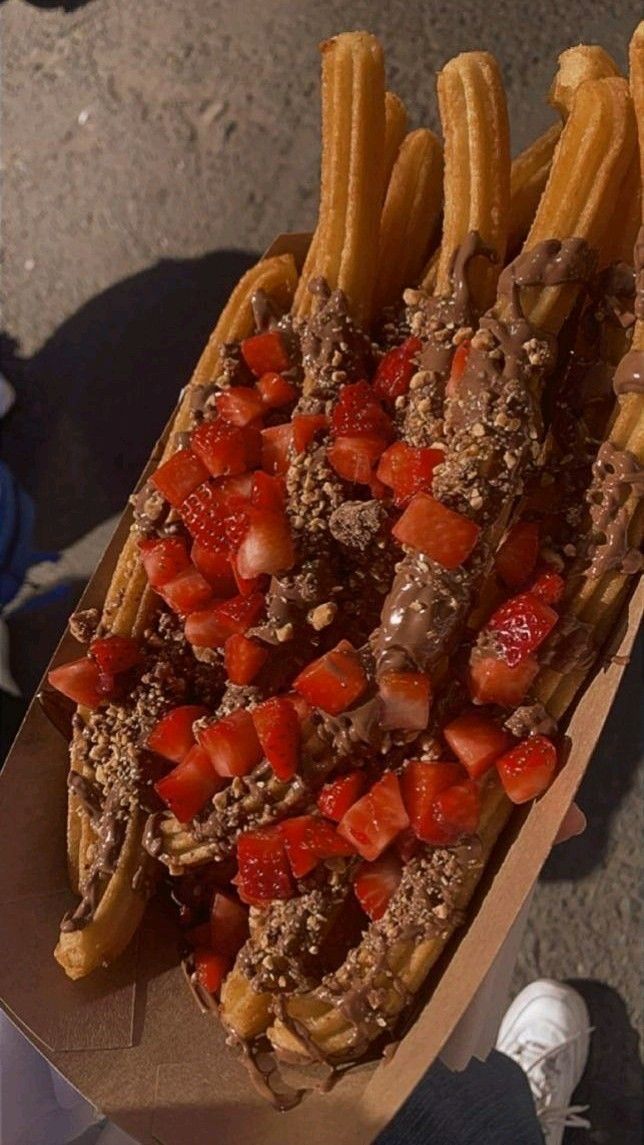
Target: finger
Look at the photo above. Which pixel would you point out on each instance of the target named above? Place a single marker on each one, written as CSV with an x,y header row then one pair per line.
x,y
574,824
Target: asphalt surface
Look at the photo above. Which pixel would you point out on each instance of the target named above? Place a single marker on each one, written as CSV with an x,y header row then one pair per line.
x,y
149,152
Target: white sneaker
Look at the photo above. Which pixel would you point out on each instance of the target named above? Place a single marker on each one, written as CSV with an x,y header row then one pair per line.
x,y
547,1031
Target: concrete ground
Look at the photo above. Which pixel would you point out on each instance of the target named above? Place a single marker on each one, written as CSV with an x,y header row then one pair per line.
x,y
149,151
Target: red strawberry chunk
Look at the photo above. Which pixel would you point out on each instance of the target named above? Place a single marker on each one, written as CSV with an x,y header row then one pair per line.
x,y
520,626
337,797
226,449
459,362
310,839
172,735
358,411
408,469
264,870
396,369
277,447
248,585
240,405
492,681
267,546
268,492
548,585
215,567
477,741
265,353
211,969
374,820
243,658
278,729
305,427
406,698
228,925
115,654
187,593
163,559
455,812
81,681
214,518
211,627
354,458
276,391
178,476
187,788
375,883
232,744
421,782
518,554
333,682
443,535
527,769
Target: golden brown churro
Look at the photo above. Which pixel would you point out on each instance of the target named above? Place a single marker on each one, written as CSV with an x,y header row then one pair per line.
x,y
395,131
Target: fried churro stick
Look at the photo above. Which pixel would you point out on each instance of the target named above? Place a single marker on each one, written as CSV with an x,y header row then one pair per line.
x,y
395,131
576,65
528,178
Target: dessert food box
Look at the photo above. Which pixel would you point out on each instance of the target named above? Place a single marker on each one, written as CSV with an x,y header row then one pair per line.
x,y
132,1039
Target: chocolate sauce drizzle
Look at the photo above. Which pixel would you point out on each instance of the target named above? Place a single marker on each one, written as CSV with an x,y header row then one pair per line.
x,y
618,477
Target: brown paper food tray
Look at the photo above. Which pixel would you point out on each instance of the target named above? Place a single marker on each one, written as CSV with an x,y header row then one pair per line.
x,y
132,1039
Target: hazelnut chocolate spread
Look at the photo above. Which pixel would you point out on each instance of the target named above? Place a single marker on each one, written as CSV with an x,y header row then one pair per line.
x,y
616,490
334,349
530,720
629,376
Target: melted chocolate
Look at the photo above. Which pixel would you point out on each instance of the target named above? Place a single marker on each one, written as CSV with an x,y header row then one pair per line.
x,y
334,349
617,477
629,375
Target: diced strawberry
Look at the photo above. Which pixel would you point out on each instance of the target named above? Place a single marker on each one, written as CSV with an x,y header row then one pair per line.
x,y
396,369
240,405
264,870
442,534
305,427
215,567
333,682
187,593
248,585
172,735
228,925
406,845
375,883
459,362
520,626
548,585
527,769
337,797
225,448
211,969
243,658
234,491
190,785
421,782
358,411
455,812
302,707
80,680
408,470
517,556
492,681
178,476
211,627
310,839
163,559
354,458
278,729
115,654
214,518
277,446
232,744
406,698
268,492
276,391
477,741
374,820
267,546
265,353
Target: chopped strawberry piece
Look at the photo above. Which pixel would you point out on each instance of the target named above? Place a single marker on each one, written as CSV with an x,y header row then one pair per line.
x,y
333,682
455,812
115,654
265,353
268,492
492,681
234,491
337,797
277,446
178,476
264,870
276,391
232,744
459,362
408,470
406,845
267,546
248,585
518,554
477,741
211,969
548,585
375,883
228,925
358,411
164,559
520,626
443,535
354,458
305,427
396,369
527,769
243,658
240,405
278,729
406,698
374,820
211,627
187,593
215,567
214,518
172,735
310,839
80,680
421,783
187,788
302,707
225,448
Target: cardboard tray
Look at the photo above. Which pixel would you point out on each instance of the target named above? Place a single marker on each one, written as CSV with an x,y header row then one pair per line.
x,y
131,1038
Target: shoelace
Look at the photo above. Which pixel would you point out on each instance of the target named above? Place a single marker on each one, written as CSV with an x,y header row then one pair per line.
x,y
540,1074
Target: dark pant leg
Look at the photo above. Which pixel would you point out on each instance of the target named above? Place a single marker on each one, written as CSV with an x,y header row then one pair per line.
x,y
489,1103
